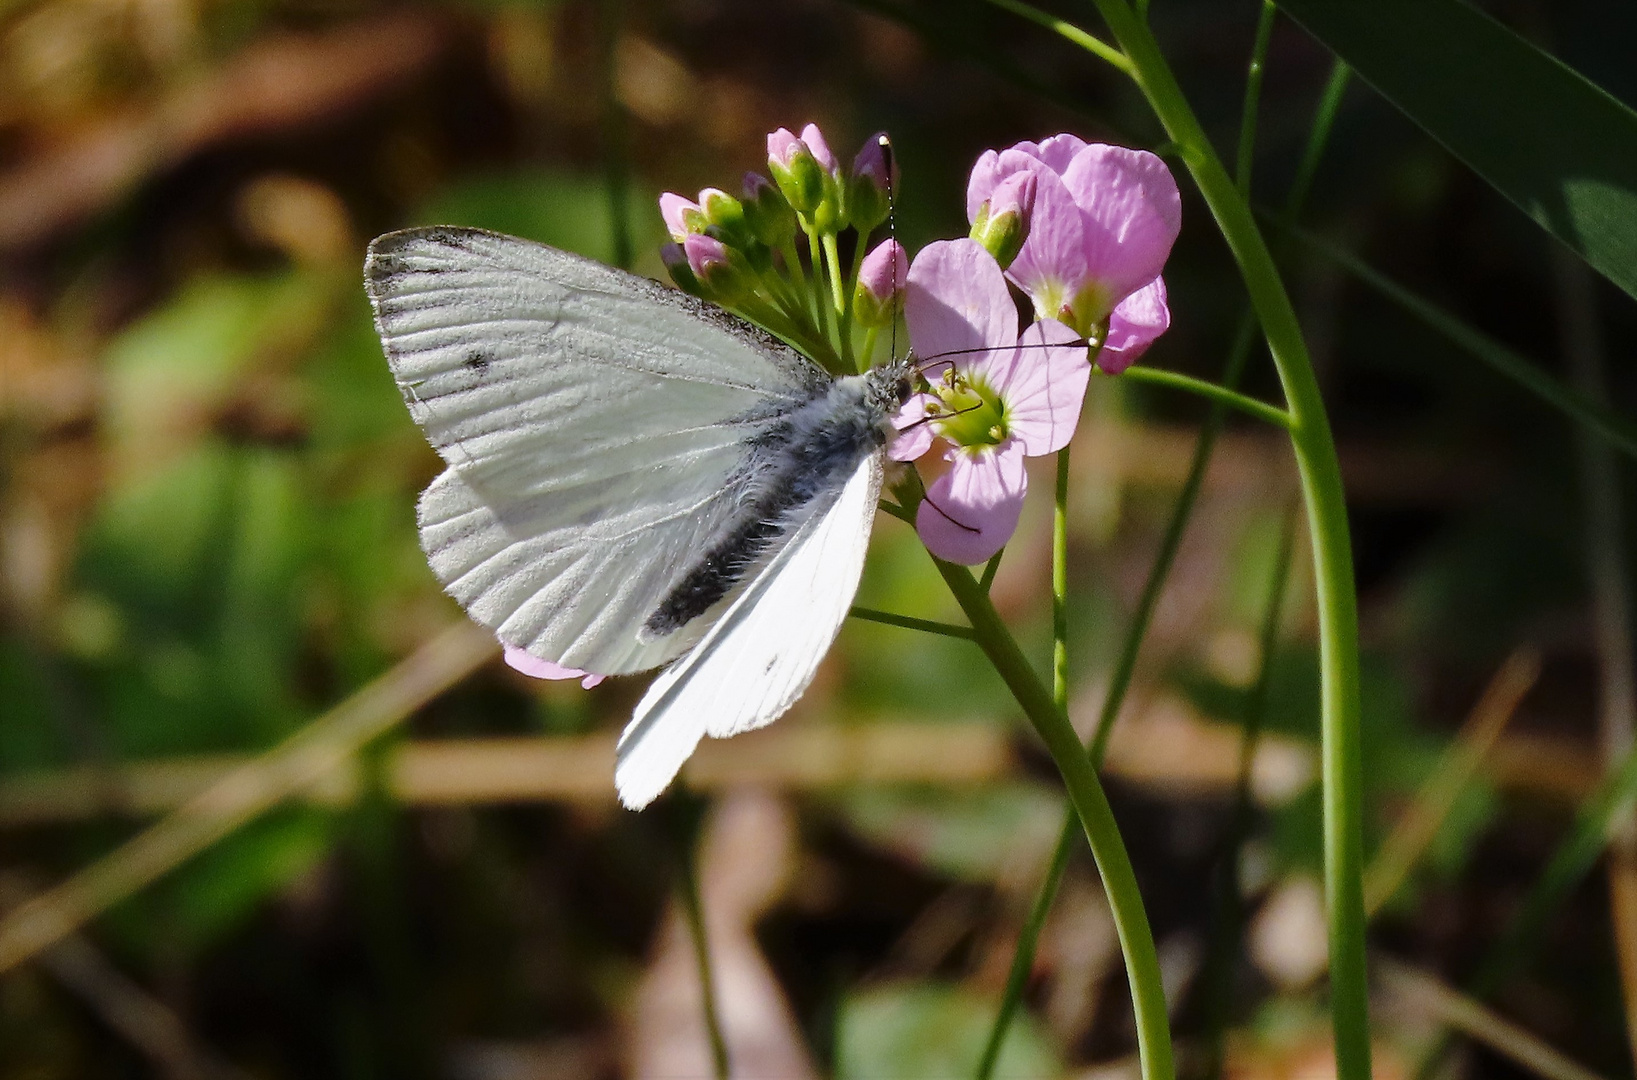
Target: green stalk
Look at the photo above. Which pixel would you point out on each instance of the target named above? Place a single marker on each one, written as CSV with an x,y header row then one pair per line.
x,y
1018,976
1085,793
1245,158
1060,585
842,300
1324,118
848,287
1224,395
1182,512
990,569
909,622
1323,493
821,312
1594,416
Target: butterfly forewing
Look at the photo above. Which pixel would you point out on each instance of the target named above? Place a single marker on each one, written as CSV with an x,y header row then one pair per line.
x,y
762,653
595,425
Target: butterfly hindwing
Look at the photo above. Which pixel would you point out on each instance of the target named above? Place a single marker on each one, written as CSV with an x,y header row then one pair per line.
x,y
762,653
595,426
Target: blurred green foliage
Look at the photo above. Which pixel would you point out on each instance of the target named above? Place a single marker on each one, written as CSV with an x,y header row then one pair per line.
x,y
207,485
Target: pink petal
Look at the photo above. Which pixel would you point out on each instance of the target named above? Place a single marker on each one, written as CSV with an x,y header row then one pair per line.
x,y
536,668
814,138
1133,213
673,208
982,183
1136,322
1051,266
914,434
957,301
971,511
1056,152
782,146
1043,386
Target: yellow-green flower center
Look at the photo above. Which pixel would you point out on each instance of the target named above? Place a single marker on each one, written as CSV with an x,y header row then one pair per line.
x,y
969,413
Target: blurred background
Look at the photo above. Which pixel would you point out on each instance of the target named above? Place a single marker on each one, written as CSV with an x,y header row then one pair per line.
x,y
207,482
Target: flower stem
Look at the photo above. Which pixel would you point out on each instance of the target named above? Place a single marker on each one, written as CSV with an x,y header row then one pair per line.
x,y
1322,490
1096,817
1086,794
868,352
848,288
990,569
1160,569
1245,157
1060,585
909,622
1029,939
815,284
1271,414
843,310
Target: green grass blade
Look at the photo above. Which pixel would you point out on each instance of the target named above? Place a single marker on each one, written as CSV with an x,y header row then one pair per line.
x,y
1617,429
1558,146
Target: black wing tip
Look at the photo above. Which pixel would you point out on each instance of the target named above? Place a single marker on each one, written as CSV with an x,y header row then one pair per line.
x,y
383,259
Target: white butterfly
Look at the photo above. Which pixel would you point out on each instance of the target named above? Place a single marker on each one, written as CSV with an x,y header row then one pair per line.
x,y
635,477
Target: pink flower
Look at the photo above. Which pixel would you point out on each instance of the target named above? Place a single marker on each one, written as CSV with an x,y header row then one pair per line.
x,y
995,397
536,668
1104,220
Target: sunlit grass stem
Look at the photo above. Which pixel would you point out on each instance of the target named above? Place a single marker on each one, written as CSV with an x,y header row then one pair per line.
x,y
1018,977
1324,495
1181,514
1086,795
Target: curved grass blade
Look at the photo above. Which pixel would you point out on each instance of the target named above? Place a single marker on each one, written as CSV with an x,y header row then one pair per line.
x,y
1595,417
1558,146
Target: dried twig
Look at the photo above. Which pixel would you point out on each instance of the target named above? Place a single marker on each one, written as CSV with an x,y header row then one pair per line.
x,y
315,752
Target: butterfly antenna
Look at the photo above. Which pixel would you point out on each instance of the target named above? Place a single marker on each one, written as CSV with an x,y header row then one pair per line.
x,y
892,229
942,357
939,416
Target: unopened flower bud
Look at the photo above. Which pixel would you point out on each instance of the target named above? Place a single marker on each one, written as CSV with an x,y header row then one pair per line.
x,y
676,263
767,211
726,218
796,171
882,276
682,216
829,216
814,138
719,268
874,178
1003,221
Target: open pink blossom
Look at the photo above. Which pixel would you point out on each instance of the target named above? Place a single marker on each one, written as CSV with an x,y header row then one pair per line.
x,y
536,668
1104,220
995,398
